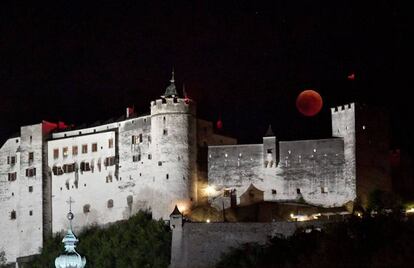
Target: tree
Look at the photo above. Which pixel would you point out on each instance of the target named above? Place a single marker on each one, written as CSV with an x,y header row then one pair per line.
x,y
137,242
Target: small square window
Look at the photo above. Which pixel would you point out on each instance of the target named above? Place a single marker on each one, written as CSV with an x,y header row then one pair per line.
x,y
298,191
30,189
31,212
84,148
273,191
31,157
94,147
165,132
55,153
167,176
65,151
13,215
110,143
269,151
159,163
86,208
324,190
74,150
149,156
110,203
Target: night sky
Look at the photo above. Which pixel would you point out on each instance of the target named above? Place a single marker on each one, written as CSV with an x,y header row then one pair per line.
x,y
242,61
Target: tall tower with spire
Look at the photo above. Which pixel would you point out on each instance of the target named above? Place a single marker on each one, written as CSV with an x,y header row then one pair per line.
x,y
174,151
71,258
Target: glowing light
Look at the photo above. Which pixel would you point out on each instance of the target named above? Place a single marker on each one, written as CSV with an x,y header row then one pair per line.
x,y
359,214
208,220
210,190
411,210
291,215
351,76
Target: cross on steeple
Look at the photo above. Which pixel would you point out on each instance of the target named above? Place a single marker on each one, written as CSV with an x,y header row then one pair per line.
x,y
70,215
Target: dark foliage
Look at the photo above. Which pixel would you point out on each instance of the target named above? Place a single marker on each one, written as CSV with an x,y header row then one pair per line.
x,y
138,242
369,242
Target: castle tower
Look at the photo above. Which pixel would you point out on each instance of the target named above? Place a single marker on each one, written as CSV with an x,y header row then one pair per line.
x,y
343,126
270,150
174,151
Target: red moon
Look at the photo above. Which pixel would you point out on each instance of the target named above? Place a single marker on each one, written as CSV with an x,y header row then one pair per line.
x,y
309,102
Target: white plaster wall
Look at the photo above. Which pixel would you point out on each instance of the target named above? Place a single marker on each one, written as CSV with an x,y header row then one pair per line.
x,y
92,186
30,227
9,200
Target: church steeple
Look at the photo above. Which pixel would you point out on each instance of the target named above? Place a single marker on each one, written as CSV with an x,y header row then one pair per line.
x,y
70,259
171,91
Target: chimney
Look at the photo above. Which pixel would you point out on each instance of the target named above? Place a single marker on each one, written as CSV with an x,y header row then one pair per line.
x,y
129,112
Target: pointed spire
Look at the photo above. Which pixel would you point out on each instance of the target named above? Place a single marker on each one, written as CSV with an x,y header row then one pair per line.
x,y
269,132
176,211
171,91
172,76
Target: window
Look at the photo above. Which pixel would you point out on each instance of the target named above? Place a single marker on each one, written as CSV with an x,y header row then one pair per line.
x,y
57,170
129,200
84,148
134,139
74,150
109,178
159,163
30,189
85,166
31,157
149,156
149,139
226,193
140,137
297,190
13,215
110,203
86,208
31,213
163,119
94,147
136,158
269,151
165,132
31,139
109,161
65,152
30,172
324,190
273,191
12,176
167,176
68,168
55,153
110,143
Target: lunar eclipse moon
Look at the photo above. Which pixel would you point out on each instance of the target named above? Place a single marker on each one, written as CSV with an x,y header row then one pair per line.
x,y
309,102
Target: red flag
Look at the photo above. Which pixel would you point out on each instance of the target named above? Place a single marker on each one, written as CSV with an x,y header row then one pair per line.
x,y
219,124
351,76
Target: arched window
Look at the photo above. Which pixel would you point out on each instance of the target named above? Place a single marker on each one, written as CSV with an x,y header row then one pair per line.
x,y
110,203
86,208
129,200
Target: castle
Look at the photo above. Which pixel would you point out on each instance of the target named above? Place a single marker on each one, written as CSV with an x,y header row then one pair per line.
x,y
155,162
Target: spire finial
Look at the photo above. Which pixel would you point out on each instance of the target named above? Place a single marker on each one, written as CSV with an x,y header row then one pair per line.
x,y
172,76
269,132
70,215
171,91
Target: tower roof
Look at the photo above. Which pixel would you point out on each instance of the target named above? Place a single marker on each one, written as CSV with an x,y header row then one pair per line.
x,y
269,132
176,211
171,91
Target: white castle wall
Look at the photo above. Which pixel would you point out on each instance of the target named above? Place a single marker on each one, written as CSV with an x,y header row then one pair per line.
x,y
322,171
22,236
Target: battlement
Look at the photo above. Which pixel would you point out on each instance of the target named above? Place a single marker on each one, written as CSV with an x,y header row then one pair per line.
x,y
173,105
342,108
